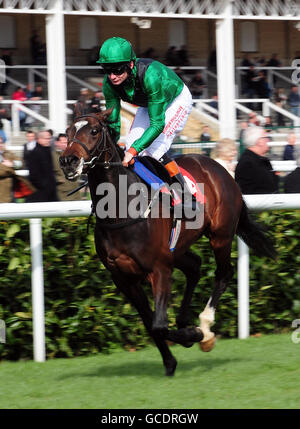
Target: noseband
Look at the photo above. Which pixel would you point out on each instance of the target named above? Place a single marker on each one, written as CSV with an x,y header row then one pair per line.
x,y
104,139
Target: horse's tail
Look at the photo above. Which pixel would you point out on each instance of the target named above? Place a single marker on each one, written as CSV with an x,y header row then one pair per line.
x,y
255,235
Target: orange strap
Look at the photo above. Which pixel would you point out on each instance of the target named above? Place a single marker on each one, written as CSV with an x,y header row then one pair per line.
x,y
172,168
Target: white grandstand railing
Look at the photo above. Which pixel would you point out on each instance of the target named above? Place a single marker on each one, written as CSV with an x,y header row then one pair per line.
x,y
250,9
36,211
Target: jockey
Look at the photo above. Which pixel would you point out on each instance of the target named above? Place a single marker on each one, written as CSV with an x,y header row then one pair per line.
x,y
164,103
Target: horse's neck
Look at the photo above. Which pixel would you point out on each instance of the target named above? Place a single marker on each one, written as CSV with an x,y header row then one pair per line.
x,y
118,178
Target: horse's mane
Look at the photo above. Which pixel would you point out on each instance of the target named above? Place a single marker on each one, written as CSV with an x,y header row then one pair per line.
x,y
114,136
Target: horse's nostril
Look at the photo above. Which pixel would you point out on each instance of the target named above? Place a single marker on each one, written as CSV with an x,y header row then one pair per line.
x,y
66,161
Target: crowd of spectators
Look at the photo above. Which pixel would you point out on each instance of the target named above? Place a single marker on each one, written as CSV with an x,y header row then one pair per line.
x,y
252,168
247,163
45,181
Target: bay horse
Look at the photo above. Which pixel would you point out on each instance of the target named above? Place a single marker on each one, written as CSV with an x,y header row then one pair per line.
x,y
137,250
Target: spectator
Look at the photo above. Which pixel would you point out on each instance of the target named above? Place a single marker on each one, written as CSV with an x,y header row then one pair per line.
x,y
274,61
4,114
38,49
9,181
19,95
171,57
34,46
246,62
288,153
263,89
250,82
183,56
206,135
214,104
63,186
96,102
291,182
280,99
2,149
294,100
29,145
2,132
253,120
28,90
254,172
225,153
196,85
212,61
40,166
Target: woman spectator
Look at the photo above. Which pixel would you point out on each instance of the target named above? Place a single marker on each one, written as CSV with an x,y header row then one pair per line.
x,y
20,95
280,99
225,153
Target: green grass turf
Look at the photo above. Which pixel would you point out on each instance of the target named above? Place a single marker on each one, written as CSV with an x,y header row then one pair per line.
x,y
261,373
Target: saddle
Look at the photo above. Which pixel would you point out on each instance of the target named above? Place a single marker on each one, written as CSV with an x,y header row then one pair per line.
x,y
154,166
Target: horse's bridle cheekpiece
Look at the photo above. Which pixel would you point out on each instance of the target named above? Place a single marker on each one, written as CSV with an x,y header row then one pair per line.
x,y
95,159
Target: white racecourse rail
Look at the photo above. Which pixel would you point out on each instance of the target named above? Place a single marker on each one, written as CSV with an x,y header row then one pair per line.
x,y
36,211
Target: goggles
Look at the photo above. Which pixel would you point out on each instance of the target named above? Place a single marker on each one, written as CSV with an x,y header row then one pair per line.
x,y
115,69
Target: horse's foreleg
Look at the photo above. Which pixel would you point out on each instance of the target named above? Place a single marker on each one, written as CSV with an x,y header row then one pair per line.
x,y
223,275
136,295
189,264
160,280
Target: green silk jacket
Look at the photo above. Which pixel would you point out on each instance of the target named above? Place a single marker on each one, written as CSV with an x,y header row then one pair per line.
x,y
151,85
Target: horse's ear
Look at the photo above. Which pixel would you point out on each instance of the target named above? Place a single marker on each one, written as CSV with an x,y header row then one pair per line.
x,y
105,114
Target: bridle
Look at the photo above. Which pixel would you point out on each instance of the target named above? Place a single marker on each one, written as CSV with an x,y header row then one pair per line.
x,y
102,146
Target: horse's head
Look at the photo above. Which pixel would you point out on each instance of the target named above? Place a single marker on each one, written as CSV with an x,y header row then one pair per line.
x,y
87,141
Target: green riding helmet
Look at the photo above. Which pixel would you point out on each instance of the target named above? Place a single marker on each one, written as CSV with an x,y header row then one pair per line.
x,y
116,50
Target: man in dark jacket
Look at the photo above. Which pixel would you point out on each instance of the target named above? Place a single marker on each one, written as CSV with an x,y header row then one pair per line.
x,y
254,172
292,180
41,175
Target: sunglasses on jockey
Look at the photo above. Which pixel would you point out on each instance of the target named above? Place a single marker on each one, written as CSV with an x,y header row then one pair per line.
x,y
116,69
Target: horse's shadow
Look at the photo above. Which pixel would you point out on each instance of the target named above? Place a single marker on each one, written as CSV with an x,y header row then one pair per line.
x,y
149,367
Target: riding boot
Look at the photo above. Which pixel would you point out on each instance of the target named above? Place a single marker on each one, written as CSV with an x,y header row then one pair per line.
x,y
189,203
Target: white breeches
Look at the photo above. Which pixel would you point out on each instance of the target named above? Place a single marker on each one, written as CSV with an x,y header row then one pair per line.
x,y
175,118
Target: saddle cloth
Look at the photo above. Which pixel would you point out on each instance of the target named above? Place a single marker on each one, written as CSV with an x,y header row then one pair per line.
x,y
156,175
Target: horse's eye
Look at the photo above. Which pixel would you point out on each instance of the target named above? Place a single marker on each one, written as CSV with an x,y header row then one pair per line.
x,y
94,132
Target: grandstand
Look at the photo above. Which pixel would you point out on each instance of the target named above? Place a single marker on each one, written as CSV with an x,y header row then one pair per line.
x,y
70,29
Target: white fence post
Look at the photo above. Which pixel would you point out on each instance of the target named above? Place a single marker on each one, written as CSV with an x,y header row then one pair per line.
x,y
37,285
15,119
243,289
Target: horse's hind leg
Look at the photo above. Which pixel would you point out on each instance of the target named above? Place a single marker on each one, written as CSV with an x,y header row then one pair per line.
x,y
189,264
136,295
223,275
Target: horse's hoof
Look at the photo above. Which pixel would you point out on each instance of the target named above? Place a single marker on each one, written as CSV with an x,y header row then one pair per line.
x,y
187,345
170,368
207,346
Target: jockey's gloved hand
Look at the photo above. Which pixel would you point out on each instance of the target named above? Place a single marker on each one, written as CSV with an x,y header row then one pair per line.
x,y
128,157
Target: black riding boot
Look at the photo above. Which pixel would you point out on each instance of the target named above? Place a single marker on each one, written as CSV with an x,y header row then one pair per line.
x,y
180,202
